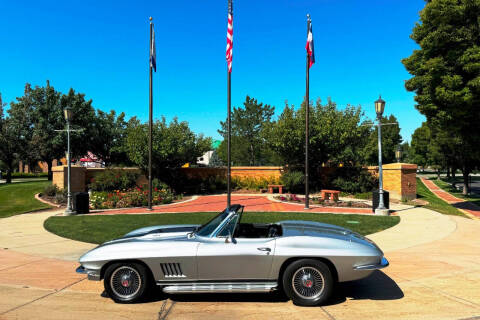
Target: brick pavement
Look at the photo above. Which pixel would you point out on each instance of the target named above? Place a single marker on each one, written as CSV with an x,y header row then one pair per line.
x,y
217,203
461,204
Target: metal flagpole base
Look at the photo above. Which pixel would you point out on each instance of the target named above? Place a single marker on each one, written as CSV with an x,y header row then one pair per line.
x,y
68,212
382,212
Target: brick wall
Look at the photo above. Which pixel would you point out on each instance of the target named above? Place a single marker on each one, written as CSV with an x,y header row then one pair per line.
x,y
82,176
257,172
398,178
77,181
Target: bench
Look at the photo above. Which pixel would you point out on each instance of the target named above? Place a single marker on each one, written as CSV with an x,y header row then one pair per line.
x,y
330,195
275,186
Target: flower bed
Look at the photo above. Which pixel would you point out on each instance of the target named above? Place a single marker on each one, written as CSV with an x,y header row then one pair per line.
x,y
319,201
133,197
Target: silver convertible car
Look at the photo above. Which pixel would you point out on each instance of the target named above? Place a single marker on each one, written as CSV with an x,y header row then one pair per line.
x,y
303,258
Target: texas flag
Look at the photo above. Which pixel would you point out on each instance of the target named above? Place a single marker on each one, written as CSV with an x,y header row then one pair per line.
x,y
309,45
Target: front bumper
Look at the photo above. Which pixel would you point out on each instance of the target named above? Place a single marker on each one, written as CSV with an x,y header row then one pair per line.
x,y
91,274
383,264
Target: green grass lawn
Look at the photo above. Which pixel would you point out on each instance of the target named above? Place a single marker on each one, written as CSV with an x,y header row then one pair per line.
x,y
457,193
435,203
101,228
18,197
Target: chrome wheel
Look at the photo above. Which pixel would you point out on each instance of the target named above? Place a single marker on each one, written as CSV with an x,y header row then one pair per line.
x,y
125,282
308,283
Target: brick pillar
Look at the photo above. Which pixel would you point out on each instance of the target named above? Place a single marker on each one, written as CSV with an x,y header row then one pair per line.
x,y
399,179
60,177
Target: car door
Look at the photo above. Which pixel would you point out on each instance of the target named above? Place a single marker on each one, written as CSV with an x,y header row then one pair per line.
x,y
240,259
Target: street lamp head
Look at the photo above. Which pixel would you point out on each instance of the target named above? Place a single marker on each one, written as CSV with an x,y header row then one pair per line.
x,y
379,106
398,153
68,113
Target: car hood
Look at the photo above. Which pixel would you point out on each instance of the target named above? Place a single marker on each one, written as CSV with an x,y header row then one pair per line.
x,y
157,232
138,240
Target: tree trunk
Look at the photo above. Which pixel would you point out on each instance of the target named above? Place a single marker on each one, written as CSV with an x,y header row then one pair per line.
x,y
438,174
49,166
448,172
9,173
465,182
252,152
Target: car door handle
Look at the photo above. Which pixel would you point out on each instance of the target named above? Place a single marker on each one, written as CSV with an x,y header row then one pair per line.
x,y
264,249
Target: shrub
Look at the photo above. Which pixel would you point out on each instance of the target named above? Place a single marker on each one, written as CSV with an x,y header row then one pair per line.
x,y
354,180
252,183
293,181
18,175
114,179
50,190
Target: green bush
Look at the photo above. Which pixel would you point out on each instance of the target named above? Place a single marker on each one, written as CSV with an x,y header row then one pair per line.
x,y
114,179
294,181
354,180
50,190
253,183
19,175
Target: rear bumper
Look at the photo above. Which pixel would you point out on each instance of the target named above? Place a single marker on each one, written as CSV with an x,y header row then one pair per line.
x,y
383,264
91,274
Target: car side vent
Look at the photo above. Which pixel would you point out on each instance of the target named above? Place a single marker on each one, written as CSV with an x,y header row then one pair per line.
x,y
172,270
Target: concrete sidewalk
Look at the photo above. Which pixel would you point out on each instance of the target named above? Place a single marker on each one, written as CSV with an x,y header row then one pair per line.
x,y
471,209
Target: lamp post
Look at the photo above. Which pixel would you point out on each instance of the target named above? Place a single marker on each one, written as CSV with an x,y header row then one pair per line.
x,y
68,117
398,153
379,107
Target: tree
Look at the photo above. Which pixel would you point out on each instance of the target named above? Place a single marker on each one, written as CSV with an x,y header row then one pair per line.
x,y
21,113
446,74
10,141
173,145
215,160
421,138
391,139
248,124
336,136
39,113
109,134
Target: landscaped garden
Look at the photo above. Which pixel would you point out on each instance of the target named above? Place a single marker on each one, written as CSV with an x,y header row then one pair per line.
x,y
17,198
101,228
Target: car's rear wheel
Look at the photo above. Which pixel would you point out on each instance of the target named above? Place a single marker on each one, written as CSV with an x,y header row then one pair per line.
x,y
308,282
126,282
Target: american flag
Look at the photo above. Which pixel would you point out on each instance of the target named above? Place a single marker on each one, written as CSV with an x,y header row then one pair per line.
x,y
230,35
309,46
153,52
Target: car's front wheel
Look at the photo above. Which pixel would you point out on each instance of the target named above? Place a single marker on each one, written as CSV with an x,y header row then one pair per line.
x,y
308,282
126,282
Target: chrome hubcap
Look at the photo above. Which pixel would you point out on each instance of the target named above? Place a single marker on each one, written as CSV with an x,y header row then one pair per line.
x,y
125,282
308,283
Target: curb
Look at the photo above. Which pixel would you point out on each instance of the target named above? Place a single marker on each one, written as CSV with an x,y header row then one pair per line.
x,y
37,196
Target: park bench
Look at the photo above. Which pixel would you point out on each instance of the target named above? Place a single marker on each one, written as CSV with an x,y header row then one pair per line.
x,y
330,195
275,186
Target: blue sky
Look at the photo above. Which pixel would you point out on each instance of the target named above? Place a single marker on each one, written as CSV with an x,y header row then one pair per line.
x,y
100,48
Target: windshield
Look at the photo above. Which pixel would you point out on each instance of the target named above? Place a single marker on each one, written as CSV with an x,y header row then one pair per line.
x,y
210,226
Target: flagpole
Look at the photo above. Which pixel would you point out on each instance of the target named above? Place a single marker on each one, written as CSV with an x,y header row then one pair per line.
x,y
150,124
229,120
229,149
307,116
